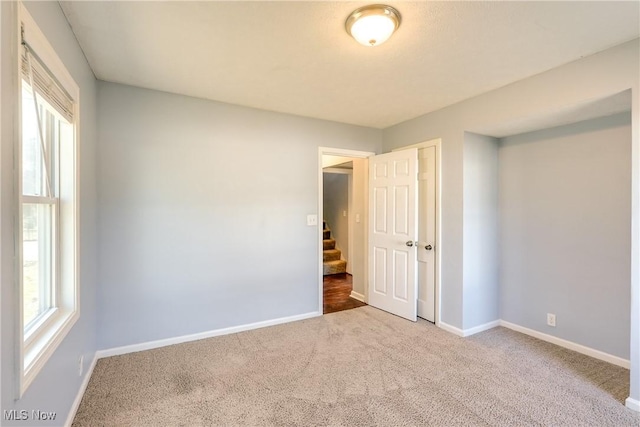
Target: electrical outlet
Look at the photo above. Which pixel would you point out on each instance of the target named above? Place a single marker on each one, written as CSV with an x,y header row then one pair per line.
x,y
551,319
80,365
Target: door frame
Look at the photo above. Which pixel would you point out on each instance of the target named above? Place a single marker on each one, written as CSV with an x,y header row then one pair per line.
x,y
437,142
345,153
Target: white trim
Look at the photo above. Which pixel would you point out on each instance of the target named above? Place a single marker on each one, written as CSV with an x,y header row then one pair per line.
x,y
149,345
331,152
338,171
471,331
350,226
81,391
39,352
597,354
632,404
31,357
451,329
424,144
437,142
356,154
357,296
38,41
481,328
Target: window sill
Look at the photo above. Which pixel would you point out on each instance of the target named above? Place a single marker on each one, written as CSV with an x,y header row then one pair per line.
x,y
40,349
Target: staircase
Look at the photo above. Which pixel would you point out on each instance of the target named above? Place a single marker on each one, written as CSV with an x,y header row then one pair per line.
x,y
331,262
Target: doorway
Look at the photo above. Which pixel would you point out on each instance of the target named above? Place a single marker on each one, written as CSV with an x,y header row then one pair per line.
x,y
428,263
343,229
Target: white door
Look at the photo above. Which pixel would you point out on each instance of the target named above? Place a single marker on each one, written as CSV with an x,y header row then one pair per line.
x,y
393,232
427,233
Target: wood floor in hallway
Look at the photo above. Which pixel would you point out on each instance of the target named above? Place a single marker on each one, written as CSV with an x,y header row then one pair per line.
x,y
336,291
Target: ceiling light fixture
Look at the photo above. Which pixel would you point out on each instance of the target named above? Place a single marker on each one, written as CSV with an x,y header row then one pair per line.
x,y
373,25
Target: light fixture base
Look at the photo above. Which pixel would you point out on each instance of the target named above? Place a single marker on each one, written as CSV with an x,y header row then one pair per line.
x,y
373,24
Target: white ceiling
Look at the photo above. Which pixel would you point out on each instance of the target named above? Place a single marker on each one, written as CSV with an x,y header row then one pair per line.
x,y
295,57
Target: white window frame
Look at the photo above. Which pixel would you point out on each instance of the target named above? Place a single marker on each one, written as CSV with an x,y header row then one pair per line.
x,y
45,335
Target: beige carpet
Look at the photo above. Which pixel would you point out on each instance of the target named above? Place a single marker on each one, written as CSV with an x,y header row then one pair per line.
x,y
357,367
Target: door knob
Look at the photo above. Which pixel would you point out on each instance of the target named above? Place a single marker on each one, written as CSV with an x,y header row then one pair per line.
x,y
409,243
428,247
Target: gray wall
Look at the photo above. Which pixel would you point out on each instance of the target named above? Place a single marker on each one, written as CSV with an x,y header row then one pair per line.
x,y
565,219
586,80
481,290
201,227
58,383
571,84
335,201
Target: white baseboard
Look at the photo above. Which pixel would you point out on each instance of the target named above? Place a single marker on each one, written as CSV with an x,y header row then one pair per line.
x,y
481,328
358,296
632,404
452,329
81,390
597,354
471,331
116,351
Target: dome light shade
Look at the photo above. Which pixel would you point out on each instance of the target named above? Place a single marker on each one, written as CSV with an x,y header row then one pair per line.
x,y
373,25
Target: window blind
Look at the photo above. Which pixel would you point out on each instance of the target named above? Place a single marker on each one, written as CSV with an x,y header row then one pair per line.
x,y
45,85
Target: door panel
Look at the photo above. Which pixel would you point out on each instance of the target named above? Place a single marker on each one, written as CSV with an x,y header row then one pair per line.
x,y
379,278
393,218
401,288
401,223
427,233
380,211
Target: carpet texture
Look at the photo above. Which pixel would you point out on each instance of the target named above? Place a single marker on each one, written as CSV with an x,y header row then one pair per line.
x,y
360,367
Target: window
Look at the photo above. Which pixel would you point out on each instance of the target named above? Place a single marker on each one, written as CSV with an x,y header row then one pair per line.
x,y
47,182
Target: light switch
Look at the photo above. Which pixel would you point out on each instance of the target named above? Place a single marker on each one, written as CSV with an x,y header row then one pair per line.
x,y
357,217
344,213
312,219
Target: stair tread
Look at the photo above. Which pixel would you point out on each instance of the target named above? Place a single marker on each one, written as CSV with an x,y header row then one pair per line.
x,y
334,267
328,244
331,255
